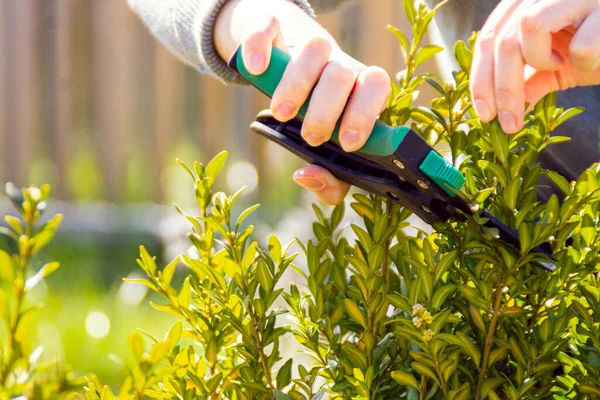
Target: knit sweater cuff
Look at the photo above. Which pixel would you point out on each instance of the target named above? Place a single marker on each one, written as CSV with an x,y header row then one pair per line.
x,y
204,31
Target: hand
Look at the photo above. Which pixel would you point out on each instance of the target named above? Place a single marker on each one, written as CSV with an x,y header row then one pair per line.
x,y
343,87
529,48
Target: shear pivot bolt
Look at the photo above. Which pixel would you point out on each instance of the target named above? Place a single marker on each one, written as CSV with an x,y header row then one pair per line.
x,y
422,184
399,164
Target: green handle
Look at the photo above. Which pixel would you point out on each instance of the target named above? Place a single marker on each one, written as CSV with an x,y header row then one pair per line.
x,y
384,139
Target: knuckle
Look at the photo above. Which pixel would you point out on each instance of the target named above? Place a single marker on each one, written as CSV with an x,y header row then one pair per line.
x,y
505,95
255,38
339,72
531,22
486,41
296,87
479,86
319,122
377,76
508,44
318,45
357,118
581,52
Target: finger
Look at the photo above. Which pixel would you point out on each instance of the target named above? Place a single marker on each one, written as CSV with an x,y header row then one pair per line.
x,y
536,37
509,80
322,183
585,46
299,78
368,99
256,45
482,70
328,100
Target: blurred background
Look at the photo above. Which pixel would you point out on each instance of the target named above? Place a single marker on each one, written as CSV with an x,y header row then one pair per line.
x,y
93,105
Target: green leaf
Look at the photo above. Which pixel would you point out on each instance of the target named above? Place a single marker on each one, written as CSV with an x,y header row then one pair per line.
x,y
148,261
355,313
441,294
174,335
399,301
107,394
559,181
495,169
376,256
499,141
555,140
14,223
489,385
435,85
511,193
464,56
516,352
568,114
402,40
264,276
425,53
409,10
424,370
185,295
136,345
7,267
216,164
279,395
169,271
15,195
43,273
524,238
405,378
337,215
245,214
446,261
469,348
186,168
284,376
144,282
46,232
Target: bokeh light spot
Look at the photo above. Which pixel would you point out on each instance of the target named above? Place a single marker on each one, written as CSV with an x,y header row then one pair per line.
x,y
132,293
97,324
242,173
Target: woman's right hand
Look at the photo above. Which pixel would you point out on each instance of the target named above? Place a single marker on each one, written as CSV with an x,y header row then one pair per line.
x,y
341,88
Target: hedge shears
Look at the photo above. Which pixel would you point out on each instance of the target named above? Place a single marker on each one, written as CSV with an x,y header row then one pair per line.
x,y
395,162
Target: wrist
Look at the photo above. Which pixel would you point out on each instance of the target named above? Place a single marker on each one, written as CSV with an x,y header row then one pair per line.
x,y
238,16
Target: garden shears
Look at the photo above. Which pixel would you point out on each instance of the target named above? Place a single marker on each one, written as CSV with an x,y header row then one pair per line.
x,y
395,162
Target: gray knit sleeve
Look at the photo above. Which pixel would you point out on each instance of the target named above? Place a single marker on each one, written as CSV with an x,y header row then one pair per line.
x,y
186,28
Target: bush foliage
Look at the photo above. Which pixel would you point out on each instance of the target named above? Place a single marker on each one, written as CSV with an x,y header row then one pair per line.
x,y
384,313
24,369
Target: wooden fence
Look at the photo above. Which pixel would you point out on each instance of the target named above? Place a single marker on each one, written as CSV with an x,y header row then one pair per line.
x,y
83,83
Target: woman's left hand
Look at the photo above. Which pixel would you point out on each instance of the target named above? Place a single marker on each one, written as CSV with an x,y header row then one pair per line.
x,y
529,48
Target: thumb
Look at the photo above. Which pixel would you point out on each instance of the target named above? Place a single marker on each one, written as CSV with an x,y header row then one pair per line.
x,y
322,183
258,42
539,83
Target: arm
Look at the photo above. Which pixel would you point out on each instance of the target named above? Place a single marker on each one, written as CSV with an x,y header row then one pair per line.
x,y
186,28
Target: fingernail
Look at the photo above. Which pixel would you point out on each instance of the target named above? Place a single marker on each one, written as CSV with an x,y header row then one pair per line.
x,y
257,62
285,111
312,184
483,110
314,139
508,121
350,140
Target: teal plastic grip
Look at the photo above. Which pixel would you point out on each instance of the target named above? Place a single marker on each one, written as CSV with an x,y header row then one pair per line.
x,y
442,172
384,139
